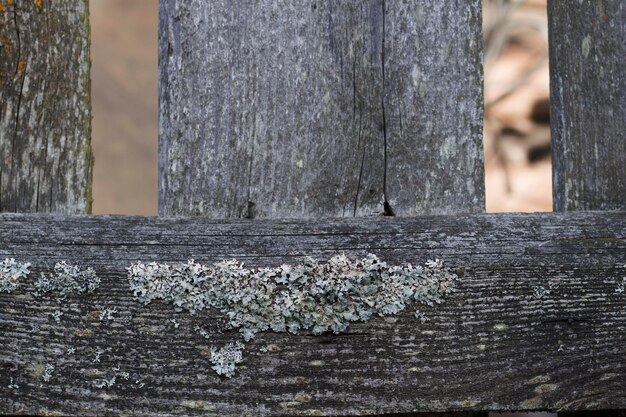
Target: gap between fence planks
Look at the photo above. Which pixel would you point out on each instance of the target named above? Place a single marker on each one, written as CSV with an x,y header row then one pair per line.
x,y
493,345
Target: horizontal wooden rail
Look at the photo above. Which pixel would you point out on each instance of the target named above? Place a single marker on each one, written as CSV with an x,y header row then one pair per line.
x,y
538,314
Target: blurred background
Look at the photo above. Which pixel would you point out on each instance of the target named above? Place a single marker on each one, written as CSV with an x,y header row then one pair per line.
x,y
125,107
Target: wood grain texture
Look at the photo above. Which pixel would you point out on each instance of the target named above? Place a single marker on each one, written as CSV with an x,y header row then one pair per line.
x,y
45,108
324,108
492,345
588,93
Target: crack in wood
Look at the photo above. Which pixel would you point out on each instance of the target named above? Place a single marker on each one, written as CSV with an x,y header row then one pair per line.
x,y
21,72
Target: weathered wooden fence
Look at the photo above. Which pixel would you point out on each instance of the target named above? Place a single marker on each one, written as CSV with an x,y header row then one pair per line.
x,y
311,129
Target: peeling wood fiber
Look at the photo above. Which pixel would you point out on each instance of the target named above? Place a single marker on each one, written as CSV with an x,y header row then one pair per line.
x,y
320,108
492,345
45,110
588,90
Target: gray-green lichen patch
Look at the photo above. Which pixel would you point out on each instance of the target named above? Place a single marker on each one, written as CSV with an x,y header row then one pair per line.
x,y
313,296
67,279
11,272
226,359
310,296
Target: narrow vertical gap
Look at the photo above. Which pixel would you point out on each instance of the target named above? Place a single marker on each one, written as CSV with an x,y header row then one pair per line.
x,y
387,210
37,197
354,87
358,186
19,98
50,208
250,211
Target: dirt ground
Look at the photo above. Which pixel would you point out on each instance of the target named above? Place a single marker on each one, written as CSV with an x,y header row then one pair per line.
x,y
125,105
124,83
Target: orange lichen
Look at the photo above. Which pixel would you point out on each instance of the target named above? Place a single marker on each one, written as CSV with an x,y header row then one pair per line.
x,y
38,3
2,7
9,2
22,66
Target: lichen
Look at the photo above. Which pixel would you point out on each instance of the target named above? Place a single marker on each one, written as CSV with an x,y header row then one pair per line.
x,y
112,380
310,296
420,316
107,314
313,296
540,292
621,286
56,315
11,272
67,280
106,383
202,332
226,359
47,373
98,355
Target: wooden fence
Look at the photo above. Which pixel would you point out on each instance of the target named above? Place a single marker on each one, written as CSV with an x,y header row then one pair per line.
x,y
295,129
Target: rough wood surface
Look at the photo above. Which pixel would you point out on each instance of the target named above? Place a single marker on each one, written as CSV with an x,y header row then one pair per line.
x,y
320,108
45,114
494,344
588,90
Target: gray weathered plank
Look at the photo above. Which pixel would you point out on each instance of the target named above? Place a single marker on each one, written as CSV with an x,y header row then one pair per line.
x,y
588,90
45,114
312,109
491,345
301,119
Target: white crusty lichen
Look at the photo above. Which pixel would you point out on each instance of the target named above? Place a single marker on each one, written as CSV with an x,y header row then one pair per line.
x,y
225,360
621,286
47,373
420,316
110,382
540,291
106,383
107,314
11,272
13,384
56,315
99,353
202,332
68,279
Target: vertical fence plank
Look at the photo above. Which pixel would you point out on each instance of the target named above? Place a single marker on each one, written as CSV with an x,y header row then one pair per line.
x,y
45,114
588,115
320,108
588,88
